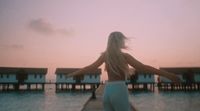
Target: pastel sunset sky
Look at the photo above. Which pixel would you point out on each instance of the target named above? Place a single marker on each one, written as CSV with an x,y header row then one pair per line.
x,y
73,33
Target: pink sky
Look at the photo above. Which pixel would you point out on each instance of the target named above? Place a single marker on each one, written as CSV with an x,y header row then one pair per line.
x,y
73,33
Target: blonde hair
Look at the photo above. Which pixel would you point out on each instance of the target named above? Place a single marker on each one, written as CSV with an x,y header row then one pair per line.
x,y
114,58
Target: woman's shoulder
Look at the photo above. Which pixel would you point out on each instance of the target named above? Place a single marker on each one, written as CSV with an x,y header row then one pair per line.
x,y
128,56
102,55
125,54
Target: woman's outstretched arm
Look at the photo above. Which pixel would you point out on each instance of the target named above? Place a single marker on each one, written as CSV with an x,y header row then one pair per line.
x,y
146,68
89,68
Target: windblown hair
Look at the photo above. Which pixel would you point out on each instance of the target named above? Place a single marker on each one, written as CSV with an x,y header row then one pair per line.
x,y
114,58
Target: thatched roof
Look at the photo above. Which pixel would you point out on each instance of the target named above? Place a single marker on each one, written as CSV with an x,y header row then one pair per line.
x,y
70,70
18,70
181,70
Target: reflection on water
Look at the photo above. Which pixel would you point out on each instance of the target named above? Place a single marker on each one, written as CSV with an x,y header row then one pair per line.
x,y
66,101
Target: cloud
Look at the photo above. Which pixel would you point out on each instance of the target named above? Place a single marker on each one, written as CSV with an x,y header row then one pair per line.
x,y
65,32
12,46
41,26
17,46
44,27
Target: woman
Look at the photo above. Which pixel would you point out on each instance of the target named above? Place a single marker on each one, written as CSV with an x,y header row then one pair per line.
x,y
116,65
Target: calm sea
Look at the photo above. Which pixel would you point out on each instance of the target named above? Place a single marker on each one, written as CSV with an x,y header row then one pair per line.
x,y
66,101
166,101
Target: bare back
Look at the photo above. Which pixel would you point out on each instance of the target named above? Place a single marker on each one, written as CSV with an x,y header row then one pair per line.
x,y
112,76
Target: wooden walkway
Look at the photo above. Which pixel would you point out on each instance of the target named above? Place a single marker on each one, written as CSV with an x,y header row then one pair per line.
x,y
97,104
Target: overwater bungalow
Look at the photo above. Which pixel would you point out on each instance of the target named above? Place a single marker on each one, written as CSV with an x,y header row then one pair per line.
x,y
11,78
69,83
190,79
142,81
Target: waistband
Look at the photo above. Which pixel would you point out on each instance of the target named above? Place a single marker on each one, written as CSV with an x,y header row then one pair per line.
x,y
115,82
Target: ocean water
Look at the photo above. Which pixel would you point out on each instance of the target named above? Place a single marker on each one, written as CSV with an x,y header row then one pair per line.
x,y
43,101
166,101
66,101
